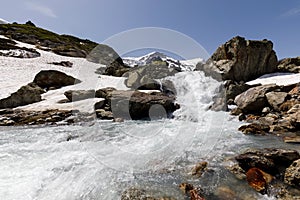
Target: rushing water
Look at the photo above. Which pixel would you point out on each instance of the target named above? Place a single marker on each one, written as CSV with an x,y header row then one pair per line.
x,y
102,159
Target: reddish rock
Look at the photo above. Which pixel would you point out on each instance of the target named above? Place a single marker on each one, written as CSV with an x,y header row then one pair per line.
x,y
258,179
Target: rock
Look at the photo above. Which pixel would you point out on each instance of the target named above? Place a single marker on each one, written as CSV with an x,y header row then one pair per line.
x,y
258,179
254,99
271,161
287,105
193,193
275,99
234,89
104,114
292,174
118,120
53,78
27,94
29,23
63,63
255,129
145,77
139,105
294,109
116,68
293,140
225,193
241,60
199,169
266,110
77,95
21,117
104,55
141,194
289,65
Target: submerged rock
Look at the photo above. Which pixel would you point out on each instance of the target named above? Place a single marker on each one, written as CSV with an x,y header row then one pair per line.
x,y
258,179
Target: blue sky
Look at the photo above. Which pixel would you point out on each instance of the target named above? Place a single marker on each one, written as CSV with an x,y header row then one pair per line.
x,y
210,22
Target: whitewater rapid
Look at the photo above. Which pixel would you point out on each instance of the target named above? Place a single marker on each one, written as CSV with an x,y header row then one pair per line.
x,y
101,159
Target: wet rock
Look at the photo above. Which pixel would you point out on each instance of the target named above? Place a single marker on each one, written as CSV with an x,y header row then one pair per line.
x,y
191,191
77,95
27,94
255,129
271,161
258,179
53,78
225,193
104,114
118,120
140,194
292,174
289,65
199,169
241,60
22,117
254,99
137,105
275,99
293,140
63,63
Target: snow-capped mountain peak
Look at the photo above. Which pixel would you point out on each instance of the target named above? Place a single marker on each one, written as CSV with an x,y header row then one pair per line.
x,y
182,65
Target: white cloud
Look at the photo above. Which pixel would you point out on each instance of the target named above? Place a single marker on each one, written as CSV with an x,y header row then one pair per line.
x,y
292,12
41,9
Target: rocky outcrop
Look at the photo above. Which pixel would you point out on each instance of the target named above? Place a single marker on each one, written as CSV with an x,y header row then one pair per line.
x,y
8,48
241,60
54,79
289,65
136,105
27,94
77,95
104,54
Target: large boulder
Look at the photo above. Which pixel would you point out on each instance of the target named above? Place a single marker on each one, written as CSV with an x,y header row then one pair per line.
x,y
275,99
54,79
254,99
104,54
241,60
136,105
27,94
289,65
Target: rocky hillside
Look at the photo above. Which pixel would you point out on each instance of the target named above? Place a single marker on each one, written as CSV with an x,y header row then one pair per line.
x,y
65,45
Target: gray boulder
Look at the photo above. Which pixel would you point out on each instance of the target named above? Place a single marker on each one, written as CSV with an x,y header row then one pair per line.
x,y
275,99
241,60
27,94
254,99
